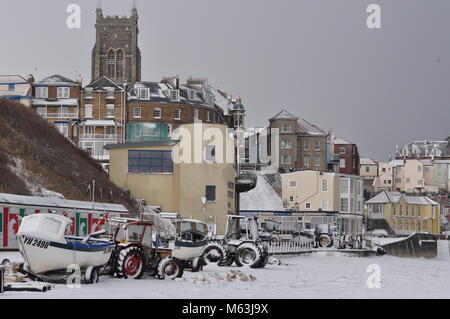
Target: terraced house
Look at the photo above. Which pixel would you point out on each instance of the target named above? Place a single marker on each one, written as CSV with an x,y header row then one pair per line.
x,y
405,214
103,111
302,145
56,99
168,102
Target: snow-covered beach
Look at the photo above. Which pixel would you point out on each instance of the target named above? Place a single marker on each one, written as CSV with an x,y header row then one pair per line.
x,y
318,275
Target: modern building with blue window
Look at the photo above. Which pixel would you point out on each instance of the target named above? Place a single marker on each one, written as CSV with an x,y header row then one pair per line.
x,y
203,190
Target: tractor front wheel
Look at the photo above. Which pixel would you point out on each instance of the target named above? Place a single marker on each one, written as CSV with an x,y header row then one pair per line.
x,y
214,253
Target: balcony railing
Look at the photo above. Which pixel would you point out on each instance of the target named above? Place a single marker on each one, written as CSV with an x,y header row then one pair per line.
x,y
114,137
59,115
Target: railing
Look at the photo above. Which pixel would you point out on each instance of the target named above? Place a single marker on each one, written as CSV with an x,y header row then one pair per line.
x,y
101,136
60,115
290,247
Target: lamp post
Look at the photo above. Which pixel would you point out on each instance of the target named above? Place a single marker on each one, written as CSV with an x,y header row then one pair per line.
x,y
204,200
124,110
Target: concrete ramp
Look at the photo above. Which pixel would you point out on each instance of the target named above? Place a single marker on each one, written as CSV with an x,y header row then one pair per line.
x,y
443,249
262,197
416,245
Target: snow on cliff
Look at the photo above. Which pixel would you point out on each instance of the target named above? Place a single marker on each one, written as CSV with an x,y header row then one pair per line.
x,y
262,197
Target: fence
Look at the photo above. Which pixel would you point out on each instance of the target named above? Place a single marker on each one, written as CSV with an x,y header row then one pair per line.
x,y
290,247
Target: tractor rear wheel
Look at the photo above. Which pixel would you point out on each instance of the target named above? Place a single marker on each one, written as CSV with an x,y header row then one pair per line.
x,y
325,240
248,254
130,263
169,268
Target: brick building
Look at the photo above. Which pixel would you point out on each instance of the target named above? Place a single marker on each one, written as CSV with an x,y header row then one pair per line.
x,y
103,114
171,103
302,145
56,99
347,154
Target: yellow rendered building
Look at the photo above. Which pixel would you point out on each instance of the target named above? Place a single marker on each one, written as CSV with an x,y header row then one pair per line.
x,y
405,214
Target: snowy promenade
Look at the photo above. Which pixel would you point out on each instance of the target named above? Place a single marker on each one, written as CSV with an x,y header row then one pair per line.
x,y
318,275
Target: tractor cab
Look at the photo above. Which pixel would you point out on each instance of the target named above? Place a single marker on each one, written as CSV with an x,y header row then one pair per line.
x,y
241,228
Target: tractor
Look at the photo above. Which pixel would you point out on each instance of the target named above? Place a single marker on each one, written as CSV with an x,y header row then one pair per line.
x,y
241,244
143,245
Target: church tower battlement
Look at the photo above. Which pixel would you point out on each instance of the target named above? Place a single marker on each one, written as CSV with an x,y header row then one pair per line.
x,y
116,54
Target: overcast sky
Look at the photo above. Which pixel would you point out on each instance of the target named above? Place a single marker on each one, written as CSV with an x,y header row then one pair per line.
x,y
315,58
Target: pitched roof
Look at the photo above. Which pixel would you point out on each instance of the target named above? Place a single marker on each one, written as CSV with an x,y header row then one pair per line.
x,y
340,140
394,197
159,93
284,115
57,79
367,161
380,198
307,126
102,83
12,79
310,128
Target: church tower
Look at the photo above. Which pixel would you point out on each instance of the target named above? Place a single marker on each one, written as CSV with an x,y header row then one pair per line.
x,y
116,54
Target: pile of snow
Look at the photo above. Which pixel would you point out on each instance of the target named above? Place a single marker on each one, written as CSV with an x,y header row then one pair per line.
x,y
205,278
443,249
262,197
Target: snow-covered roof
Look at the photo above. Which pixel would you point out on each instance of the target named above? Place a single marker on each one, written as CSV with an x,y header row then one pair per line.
x,y
102,83
395,163
340,140
68,102
159,92
310,128
394,197
59,203
367,161
56,80
284,115
100,123
11,79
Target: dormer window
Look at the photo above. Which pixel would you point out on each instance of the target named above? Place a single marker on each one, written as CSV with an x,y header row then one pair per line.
x,y
63,92
174,95
143,94
192,94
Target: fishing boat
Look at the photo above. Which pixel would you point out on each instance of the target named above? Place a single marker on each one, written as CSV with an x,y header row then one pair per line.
x,y
45,247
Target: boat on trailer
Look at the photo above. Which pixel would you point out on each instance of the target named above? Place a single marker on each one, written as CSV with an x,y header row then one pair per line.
x,y
45,247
